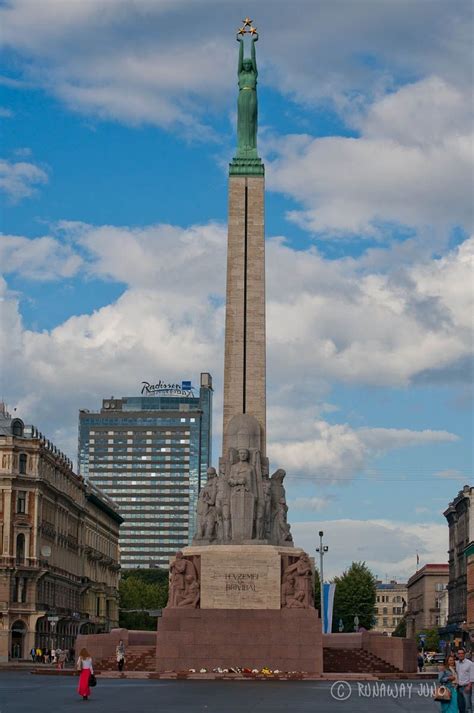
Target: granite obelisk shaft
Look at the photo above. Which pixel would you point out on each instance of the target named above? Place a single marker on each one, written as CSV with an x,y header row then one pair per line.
x,y
245,367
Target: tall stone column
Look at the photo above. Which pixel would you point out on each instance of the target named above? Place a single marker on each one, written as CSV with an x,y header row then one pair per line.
x,y
245,366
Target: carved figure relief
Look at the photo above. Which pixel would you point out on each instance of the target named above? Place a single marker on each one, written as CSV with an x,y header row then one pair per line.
x,y
184,584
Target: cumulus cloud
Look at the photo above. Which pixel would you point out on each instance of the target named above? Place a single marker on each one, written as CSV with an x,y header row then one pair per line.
x,y
19,180
338,452
411,166
388,547
378,328
330,323
138,61
314,504
40,259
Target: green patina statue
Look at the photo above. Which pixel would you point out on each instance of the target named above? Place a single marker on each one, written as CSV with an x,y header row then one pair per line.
x,y
246,161
247,105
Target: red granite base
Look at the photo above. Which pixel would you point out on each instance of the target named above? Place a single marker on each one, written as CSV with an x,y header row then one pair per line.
x,y
286,639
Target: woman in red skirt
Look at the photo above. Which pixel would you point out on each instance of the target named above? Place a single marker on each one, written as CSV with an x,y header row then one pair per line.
x,y
84,665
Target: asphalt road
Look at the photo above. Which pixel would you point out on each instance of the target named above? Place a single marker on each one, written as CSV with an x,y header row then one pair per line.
x,y
25,693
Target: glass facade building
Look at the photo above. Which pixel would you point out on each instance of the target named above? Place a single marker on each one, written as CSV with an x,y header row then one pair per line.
x,y
150,454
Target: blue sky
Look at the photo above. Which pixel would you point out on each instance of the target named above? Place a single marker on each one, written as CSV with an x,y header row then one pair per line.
x,y
117,127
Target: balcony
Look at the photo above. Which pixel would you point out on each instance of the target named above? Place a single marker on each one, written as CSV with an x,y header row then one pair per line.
x,y
19,562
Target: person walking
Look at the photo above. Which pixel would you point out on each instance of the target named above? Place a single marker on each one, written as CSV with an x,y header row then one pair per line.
x,y
120,655
465,673
53,656
61,659
420,660
448,677
33,654
84,665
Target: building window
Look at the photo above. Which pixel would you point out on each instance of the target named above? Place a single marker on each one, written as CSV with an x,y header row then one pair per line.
x,y
23,463
17,427
20,548
385,610
21,502
385,622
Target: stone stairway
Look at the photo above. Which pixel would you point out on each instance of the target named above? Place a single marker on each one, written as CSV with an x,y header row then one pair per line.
x,y
355,661
137,658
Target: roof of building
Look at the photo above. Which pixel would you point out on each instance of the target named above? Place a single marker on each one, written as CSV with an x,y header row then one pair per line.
x,y
93,494
427,569
466,492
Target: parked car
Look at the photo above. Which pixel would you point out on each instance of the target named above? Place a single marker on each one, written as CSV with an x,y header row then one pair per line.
x,y
437,658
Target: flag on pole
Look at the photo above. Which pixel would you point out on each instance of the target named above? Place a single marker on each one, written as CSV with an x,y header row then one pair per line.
x,y
328,594
417,560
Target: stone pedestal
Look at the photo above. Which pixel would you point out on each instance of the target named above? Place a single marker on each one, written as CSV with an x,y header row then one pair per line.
x,y
285,639
240,622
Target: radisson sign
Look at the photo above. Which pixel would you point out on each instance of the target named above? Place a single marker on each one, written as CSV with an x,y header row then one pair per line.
x,y
163,389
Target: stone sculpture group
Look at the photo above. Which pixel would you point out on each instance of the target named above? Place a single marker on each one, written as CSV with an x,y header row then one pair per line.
x,y
243,504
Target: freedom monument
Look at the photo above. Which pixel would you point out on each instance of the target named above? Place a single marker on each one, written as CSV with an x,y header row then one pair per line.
x,y
242,593
241,596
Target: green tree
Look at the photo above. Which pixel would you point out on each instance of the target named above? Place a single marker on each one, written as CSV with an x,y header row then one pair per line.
x,y
355,596
142,589
431,640
401,628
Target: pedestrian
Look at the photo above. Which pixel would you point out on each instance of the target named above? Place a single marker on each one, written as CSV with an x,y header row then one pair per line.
x,y
39,655
62,659
447,677
46,655
465,673
84,665
53,656
33,654
420,661
120,655
58,656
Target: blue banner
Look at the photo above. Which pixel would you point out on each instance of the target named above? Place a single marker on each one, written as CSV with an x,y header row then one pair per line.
x,y
328,594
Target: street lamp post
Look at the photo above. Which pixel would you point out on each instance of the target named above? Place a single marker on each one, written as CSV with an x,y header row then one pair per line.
x,y
322,549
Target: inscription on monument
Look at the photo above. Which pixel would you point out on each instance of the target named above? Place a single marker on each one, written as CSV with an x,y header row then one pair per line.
x,y
245,579
241,582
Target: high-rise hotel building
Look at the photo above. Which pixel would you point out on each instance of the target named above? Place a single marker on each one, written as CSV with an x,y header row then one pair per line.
x,y
150,454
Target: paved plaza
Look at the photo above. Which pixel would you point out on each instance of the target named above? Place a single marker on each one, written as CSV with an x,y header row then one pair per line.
x,y
23,692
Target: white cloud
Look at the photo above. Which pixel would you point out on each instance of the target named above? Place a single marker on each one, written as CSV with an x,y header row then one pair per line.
x,y
372,327
412,166
164,62
19,180
330,322
39,259
314,504
450,474
388,547
338,452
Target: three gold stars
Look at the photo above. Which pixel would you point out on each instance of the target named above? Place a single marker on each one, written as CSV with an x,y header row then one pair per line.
x,y
247,27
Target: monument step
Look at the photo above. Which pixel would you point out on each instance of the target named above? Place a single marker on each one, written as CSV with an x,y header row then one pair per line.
x,y
356,661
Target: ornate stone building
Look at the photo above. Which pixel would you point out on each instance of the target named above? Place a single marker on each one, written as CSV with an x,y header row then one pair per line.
x,y
390,607
424,589
460,517
59,558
